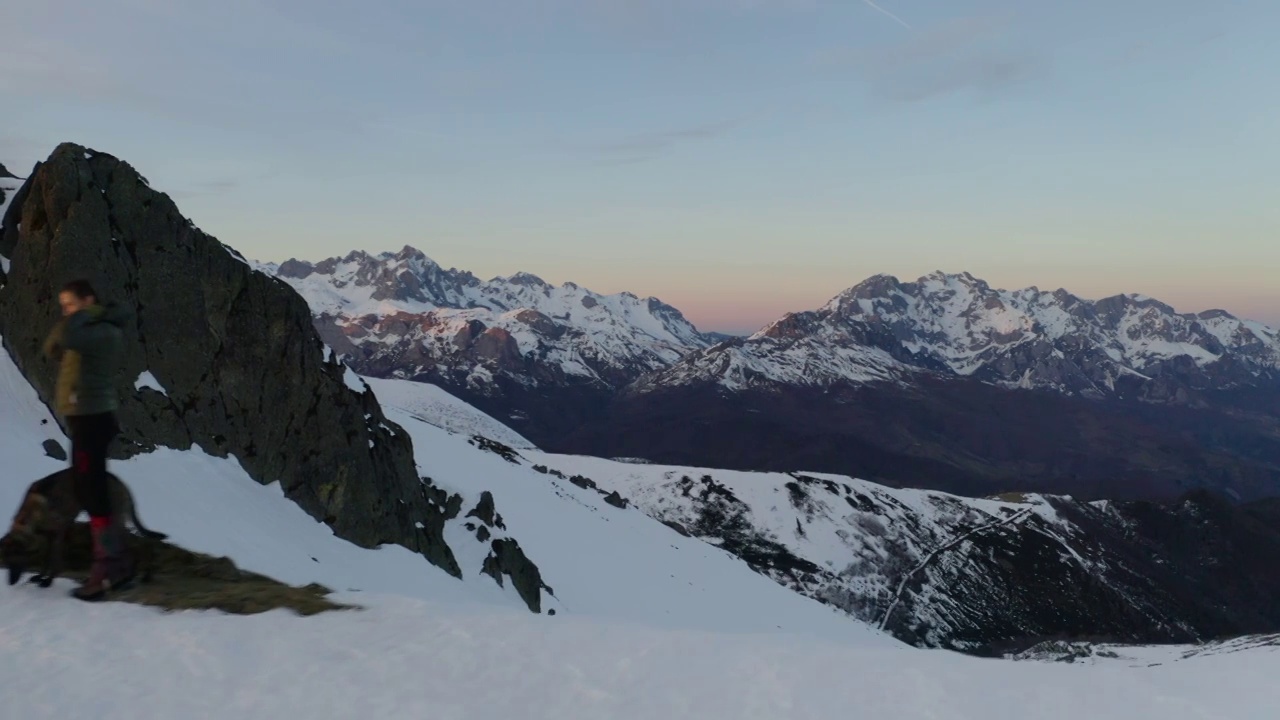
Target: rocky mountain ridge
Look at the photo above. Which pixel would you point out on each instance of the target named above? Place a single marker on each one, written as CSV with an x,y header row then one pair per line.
x,y
959,326
950,384
517,347
605,339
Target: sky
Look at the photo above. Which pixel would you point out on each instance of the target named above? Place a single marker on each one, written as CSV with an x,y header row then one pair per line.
x,y
738,159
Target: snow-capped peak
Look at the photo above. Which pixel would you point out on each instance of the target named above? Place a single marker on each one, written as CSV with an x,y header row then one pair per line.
x,y
526,279
957,324
404,305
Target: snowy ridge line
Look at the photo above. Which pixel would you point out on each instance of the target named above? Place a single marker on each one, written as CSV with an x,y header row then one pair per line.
x,y
434,405
934,554
406,314
883,331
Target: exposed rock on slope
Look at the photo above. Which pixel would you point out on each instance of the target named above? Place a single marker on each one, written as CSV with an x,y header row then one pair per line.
x,y
218,355
979,575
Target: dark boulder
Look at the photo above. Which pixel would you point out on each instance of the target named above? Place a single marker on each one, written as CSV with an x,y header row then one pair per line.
x,y
54,449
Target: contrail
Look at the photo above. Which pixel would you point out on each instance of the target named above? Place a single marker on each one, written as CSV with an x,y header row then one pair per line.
x,y
881,10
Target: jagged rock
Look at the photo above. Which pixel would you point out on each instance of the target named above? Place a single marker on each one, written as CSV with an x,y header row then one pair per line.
x,y
616,500
677,527
506,558
484,511
4,172
442,507
244,372
54,449
497,448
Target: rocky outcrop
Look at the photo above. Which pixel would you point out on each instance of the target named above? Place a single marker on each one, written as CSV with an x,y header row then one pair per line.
x,y
240,369
4,172
506,558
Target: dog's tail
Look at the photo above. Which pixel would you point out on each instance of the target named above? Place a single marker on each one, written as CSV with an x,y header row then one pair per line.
x,y
133,510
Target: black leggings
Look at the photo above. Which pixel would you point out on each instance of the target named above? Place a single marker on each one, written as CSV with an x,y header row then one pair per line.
x,y
90,436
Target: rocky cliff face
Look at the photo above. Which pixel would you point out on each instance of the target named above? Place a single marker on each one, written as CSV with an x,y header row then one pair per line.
x,y
219,355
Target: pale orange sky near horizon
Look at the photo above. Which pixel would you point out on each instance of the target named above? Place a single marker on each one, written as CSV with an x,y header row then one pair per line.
x,y
736,160
742,296
748,312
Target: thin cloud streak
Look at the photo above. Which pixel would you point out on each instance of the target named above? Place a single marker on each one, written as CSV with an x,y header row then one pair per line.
x,y
646,146
966,54
888,14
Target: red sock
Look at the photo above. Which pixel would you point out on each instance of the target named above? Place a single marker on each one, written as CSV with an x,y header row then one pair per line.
x,y
99,522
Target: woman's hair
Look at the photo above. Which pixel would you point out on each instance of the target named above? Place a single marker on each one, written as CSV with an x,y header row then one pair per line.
x,y
81,288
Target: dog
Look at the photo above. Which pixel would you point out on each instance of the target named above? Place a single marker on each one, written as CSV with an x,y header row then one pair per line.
x,y
47,512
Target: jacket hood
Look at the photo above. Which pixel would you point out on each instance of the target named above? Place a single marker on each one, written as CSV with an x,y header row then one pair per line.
x,y
112,313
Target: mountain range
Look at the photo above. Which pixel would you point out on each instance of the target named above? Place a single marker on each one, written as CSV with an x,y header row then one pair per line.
x,y
250,439
547,358
944,382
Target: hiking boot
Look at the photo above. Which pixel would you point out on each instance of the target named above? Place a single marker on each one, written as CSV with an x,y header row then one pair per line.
x,y
110,570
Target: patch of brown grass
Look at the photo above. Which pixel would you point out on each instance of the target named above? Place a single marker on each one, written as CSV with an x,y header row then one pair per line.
x,y
186,580
1011,497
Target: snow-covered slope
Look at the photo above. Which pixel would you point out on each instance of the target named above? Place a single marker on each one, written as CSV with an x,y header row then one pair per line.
x,y
599,560
649,625
435,406
410,658
967,573
958,325
403,314
8,188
